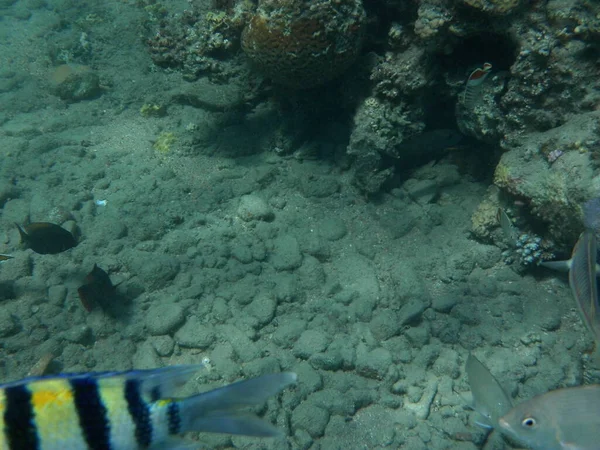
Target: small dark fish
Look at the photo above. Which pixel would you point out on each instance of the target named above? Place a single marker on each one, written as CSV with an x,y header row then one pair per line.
x,y
97,289
5,257
46,238
565,419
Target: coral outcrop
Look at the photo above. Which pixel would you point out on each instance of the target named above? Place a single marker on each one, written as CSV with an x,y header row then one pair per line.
x,y
537,106
300,45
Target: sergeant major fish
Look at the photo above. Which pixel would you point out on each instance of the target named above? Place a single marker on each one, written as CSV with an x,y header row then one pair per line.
x,y
127,410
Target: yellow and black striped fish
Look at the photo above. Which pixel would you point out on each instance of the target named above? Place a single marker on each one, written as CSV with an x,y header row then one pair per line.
x,y
127,410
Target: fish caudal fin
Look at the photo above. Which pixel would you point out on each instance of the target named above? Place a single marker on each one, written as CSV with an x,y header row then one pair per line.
x,y
560,266
22,233
217,411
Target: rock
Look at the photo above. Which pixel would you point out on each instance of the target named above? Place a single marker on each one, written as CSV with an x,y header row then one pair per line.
x,y
253,208
333,228
309,343
385,324
262,308
75,83
444,302
79,334
245,350
374,364
163,345
310,418
195,334
146,357
286,253
155,271
164,319
288,332
8,324
411,312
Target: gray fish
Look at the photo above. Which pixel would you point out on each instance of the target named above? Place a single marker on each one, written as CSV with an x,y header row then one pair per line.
x,y
565,419
489,398
583,271
508,229
582,279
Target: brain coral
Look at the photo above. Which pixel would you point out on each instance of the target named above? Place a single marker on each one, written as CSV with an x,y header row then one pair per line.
x,y
303,43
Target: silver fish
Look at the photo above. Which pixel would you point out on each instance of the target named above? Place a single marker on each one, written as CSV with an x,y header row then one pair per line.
x,y
565,419
583,270
565,266
582,279
508,229
489,398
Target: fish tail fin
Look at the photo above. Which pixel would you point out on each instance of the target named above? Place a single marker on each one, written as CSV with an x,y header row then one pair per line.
x,y
560,266
21,233
217,411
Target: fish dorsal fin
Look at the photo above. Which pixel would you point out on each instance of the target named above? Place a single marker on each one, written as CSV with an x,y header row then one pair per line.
x,y
489,398
155,384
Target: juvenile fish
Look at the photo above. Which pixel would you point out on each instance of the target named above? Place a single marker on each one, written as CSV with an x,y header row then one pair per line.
x,y
97,289
565,419
128,410
46,238
5,257
508,229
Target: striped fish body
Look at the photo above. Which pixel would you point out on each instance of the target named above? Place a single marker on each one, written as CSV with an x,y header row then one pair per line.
x,y
126,410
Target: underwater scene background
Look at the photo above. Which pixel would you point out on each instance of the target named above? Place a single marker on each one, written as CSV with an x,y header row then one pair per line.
x,y
360,192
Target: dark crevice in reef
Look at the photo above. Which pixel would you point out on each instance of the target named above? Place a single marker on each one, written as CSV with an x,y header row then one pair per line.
x,y
471,52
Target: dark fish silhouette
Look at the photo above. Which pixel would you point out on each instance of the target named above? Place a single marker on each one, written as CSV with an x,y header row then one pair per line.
x,y
5,257
46,238
97,289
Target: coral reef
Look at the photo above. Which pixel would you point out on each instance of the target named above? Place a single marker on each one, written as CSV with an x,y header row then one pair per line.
x,y
554,190
303,47
196,41
541,85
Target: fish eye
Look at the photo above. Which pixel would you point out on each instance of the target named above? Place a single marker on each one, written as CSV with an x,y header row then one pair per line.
x,y
529,422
